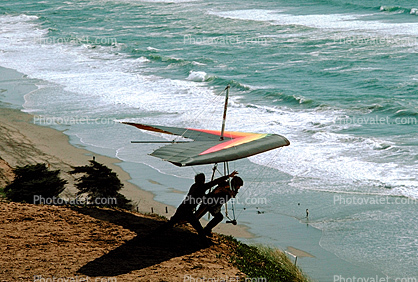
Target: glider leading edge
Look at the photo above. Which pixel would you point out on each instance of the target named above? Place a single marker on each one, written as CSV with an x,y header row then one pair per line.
x,y
208,148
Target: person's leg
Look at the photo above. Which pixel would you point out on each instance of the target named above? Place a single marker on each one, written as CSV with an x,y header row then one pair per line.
x,y
217,218
201,211
196,224
191,218
177,217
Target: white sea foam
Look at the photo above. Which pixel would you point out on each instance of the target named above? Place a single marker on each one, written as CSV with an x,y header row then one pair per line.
x,y
345,22
157,1
198,76
96,76
152,49
335,160
99,81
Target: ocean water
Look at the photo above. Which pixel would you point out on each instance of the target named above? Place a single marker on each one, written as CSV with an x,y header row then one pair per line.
x,y
338,78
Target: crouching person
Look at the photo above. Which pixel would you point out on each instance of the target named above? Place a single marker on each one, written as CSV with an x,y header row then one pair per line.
x,y
213,202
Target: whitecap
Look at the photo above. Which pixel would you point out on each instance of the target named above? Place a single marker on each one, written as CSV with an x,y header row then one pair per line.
x,y
198,76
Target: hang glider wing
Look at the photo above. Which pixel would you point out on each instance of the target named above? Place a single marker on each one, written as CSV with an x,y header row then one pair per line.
x,y
207,148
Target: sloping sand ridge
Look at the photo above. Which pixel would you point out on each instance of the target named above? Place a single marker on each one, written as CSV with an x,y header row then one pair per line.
x,y
63,242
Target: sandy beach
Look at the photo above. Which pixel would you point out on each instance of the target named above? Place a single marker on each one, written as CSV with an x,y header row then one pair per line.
x,y
22,142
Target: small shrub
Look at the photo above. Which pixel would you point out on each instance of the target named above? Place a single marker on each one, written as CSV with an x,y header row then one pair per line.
x,y
34,180
98,181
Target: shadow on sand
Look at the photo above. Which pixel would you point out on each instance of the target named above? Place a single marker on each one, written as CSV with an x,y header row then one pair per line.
x,y
139,252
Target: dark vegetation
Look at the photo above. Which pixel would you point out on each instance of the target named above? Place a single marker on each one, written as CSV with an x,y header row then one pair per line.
x,y
100,182
2,193
34,180
97,183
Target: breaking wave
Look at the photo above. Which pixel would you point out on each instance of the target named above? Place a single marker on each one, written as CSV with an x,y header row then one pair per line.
x,y
399,10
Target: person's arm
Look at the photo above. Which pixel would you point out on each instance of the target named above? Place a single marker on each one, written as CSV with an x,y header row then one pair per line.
x,y
219,180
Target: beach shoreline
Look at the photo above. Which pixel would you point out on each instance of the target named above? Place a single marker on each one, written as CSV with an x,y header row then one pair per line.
x,y
23,142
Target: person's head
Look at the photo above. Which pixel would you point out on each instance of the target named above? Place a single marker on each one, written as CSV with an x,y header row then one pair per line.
x,y
236,183
199,178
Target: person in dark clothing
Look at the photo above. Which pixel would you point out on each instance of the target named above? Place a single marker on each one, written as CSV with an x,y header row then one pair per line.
x,y
194,197
213,202
199,188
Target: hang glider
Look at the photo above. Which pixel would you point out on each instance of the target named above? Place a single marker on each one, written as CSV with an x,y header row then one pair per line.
x,y
211,146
